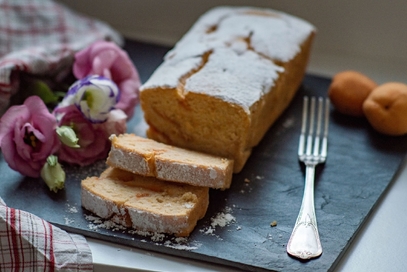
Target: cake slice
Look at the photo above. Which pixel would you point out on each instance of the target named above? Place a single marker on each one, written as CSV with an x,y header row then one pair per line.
x,y
227,81
150,158
145,203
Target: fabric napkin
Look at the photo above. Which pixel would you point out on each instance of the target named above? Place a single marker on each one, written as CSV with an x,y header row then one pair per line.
x,y
29,243
40,37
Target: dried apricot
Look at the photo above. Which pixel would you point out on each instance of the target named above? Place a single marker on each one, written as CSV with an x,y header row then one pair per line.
x,y
348,91
386,108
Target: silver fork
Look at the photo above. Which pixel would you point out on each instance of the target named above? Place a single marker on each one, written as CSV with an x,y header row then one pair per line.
x,y
304,242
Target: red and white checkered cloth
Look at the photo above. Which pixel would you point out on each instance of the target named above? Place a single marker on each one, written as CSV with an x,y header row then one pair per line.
x,y
40,37
28,243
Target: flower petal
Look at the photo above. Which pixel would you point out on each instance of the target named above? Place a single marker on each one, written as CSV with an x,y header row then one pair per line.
x,y
10,117
82,65
104,59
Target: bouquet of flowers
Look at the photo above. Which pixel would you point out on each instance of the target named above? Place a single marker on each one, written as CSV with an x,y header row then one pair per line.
x,y
34,138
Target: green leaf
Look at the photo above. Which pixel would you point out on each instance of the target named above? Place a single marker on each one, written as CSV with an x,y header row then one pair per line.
x,y
41,89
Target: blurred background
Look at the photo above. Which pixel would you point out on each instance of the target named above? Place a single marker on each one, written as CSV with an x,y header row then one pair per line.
x,y
365,35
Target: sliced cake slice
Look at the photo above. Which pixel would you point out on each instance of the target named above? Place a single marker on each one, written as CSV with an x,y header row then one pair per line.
x,y
150,158
145,203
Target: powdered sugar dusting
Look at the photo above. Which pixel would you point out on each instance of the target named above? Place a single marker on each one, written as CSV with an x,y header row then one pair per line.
x,y
72,209
97,222
212,173
189,205
243,47
221,219
180,243
68,221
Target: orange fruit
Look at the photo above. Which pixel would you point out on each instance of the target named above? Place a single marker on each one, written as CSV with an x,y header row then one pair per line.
x,y
348,91
386,108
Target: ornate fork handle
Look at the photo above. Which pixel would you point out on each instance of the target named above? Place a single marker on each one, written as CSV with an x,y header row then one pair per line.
x,y
304,242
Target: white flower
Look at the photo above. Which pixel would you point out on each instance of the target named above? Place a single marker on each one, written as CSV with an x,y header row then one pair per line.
x,y
95,96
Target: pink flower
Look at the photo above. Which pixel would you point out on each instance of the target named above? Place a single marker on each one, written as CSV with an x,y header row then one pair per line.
x,y
107,59
93,137
27,136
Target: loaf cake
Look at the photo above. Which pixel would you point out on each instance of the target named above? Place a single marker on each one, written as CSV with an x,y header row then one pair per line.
x,y
145,203
150,158
227,80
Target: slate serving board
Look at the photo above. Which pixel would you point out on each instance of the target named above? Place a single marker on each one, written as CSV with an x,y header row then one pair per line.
x,y
360,166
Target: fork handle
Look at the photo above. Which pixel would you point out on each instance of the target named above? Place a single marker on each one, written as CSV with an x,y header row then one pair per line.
x,y
304,242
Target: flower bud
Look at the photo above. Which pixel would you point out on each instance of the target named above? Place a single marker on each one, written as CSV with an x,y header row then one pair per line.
x,y
53,174
68,136
95,96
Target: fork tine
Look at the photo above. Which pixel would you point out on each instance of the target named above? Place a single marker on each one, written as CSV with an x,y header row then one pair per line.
x,y
303,126
324,150
311,141
311,127
318,131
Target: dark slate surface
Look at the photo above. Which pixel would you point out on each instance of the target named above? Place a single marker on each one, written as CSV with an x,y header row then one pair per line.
x,y
360,166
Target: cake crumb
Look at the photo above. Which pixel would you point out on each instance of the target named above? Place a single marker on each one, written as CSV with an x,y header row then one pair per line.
x,y
273,223
246,180
289,122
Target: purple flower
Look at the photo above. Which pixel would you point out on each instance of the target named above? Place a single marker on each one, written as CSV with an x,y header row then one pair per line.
x,y
28,137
